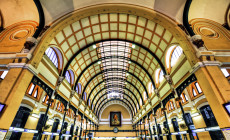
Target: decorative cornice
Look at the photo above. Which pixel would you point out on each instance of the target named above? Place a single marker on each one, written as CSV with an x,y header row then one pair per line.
x,y
203,64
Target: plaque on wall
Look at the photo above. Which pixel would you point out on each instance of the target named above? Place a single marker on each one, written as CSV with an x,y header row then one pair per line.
x,y
115,118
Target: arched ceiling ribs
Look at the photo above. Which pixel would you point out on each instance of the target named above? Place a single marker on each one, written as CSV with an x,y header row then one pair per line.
x,y
116,70
114,103
89,45
124,89
99,108
95,62
100,82
117,91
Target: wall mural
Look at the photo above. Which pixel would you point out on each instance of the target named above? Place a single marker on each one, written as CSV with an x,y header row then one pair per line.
x,y
115,118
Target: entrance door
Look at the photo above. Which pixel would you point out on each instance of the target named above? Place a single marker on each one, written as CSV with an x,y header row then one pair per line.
x,y
20,121
176,128
210,121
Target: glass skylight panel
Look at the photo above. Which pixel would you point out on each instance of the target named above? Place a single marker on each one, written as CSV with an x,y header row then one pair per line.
x,y
114,56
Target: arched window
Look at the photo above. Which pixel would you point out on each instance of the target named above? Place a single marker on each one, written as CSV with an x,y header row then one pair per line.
x,y
55,56
184,98
60,107
92,106
45,101
84,96
159,113
195,89
52,56
170,106
69,76
145,96
78,88
172,55
226,72
150,88
33,91
3,74
159,76
89,102
140,102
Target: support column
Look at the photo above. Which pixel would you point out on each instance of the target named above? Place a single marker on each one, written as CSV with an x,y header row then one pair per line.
x,y
177,98
216,89
81,127
86,128
144,129
60,80
163,109
141,130
151,137
13,89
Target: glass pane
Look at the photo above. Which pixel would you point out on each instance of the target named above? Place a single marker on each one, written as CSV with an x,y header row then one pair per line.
x,y
198,87
31,89
4,74
225,72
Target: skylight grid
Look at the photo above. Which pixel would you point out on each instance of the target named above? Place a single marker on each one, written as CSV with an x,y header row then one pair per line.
x,y
114,57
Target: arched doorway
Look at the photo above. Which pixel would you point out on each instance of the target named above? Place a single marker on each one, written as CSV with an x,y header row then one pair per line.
x,y
20,121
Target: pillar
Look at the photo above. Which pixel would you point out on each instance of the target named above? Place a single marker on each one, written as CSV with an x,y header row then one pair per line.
x,y
217,91
13,89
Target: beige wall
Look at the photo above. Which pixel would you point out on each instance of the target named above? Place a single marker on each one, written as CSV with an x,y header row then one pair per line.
x,y
115,108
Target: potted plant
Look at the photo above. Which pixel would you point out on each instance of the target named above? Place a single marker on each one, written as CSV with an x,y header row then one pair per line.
x,y
114,138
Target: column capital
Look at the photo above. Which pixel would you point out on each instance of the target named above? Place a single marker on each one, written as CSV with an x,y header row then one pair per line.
x,y
198,42
30,43
198,65
60,80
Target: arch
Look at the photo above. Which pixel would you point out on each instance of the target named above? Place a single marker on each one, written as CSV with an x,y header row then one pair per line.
x,y
125,89
150,88
91,44
195,89
179,35
84,96
129,105
55,57
70,77
97,113
159,76
27,105
100,82
132,61
201,103
170,106
172,55
34,91
115,70
122,93
127,9
78,88
114,103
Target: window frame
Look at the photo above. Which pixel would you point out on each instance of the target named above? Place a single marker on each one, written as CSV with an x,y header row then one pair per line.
x,y
193,89
169,55
35,89
45,100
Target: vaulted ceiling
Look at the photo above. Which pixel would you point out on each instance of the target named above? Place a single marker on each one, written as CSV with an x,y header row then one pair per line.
x,y
90,47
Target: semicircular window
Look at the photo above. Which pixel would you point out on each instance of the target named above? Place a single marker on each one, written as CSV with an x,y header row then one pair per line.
x,y
172,55
55,57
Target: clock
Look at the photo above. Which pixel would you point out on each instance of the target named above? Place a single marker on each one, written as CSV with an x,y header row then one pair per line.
x,y
115,129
